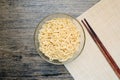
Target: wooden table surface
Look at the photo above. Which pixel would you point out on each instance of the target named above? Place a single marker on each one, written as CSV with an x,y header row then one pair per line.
x,y
18,20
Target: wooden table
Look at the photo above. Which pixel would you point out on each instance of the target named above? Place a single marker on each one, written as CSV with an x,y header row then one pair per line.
x,y
18,19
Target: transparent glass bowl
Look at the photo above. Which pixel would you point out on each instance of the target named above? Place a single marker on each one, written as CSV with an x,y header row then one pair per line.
x,y
78,25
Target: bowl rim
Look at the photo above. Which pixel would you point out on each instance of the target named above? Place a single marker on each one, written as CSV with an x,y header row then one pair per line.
x,y
39,52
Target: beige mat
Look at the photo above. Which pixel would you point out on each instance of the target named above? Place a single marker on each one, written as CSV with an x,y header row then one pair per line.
x,y
104,18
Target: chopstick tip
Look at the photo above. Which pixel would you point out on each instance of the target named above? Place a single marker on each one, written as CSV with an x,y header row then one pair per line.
x,y
85,19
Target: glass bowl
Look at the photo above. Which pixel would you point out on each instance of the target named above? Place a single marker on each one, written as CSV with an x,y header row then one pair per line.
x,y
78,25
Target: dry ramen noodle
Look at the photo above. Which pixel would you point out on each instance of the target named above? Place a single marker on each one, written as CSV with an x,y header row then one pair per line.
x,y
59,39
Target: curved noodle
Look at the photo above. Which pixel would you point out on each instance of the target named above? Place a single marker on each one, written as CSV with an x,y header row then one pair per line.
x,y
59,39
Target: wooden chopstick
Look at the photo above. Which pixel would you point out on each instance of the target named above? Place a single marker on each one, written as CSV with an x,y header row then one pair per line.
x,y
102,48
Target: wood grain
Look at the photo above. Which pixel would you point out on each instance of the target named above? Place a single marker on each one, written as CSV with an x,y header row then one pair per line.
x,y
18,19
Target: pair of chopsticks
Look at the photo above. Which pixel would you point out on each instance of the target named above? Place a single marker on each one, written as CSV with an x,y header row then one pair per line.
x,y
102,48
